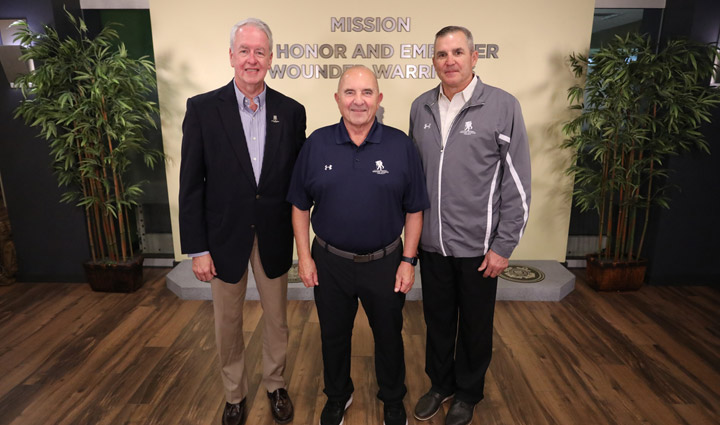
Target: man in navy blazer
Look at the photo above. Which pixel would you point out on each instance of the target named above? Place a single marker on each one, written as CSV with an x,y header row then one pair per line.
x,y
239,147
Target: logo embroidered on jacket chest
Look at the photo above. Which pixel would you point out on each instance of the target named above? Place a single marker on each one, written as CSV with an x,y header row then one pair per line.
x,y
468,130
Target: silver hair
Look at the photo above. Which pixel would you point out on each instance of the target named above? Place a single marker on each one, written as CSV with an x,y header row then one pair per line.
x,y
455,28
255,22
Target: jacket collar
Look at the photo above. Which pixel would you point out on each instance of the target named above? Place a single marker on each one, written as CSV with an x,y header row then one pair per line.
x,y
477,97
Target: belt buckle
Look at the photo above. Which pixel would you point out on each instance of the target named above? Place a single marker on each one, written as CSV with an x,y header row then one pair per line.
x,y
365,258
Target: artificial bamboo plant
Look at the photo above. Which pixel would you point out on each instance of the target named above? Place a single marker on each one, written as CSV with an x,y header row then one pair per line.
x,y
637,107
90,101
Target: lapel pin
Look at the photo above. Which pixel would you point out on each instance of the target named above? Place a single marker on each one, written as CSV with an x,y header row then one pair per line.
x,y
274,120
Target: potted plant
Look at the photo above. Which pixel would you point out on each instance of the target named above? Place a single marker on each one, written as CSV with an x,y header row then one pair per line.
x,y
637,106
89,100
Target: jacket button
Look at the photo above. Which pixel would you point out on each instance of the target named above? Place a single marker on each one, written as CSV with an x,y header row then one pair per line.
x,y
252,226
257,196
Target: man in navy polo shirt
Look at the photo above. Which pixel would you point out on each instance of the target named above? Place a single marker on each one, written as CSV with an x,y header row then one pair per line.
x,y
365,182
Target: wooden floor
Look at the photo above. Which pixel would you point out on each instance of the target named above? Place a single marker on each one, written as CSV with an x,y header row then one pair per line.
x,y
72,356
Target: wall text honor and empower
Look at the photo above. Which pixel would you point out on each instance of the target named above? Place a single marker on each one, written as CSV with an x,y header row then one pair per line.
x,y
382,51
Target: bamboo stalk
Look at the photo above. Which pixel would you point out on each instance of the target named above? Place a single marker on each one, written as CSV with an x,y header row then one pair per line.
x,y
631,233
618,226
603,195
648,199
93,185
633,217
83,185
112,252
120,215
647,209
103,219
127,223
111,235
623,231
629,201
610,240
97,216
621,210
116,184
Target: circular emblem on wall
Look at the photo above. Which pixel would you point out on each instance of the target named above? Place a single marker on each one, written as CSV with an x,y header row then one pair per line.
x,y
522,274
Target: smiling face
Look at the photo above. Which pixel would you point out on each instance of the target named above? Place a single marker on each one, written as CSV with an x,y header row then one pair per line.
x,y
251,57
358,97
454,62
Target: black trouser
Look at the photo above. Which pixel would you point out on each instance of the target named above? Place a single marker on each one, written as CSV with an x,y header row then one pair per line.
x,y
340,283
459,304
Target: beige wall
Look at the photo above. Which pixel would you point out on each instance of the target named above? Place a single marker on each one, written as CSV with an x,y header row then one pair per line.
x,y
191,41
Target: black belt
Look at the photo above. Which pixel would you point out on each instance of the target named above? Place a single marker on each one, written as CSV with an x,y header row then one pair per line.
x,y
359,258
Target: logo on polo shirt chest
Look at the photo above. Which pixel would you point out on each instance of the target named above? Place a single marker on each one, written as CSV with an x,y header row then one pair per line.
x,y
380,168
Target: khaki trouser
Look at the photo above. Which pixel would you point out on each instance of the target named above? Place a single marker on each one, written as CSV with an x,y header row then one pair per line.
x,y
228,302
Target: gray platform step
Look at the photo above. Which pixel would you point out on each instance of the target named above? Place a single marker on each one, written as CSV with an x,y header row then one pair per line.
x,y
557,284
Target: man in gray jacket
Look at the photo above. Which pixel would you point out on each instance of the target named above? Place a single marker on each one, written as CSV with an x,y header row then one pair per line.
x,y
475,154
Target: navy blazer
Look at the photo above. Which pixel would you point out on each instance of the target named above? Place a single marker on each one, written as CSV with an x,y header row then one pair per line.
x,y
222,208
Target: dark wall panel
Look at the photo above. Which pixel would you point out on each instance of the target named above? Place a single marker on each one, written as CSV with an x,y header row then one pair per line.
x,y
49,237
684,244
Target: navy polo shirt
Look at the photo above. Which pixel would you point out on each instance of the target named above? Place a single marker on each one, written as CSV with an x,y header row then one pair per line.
x,y
359,194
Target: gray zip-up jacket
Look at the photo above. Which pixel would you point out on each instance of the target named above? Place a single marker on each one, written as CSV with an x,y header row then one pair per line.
x,y
479,184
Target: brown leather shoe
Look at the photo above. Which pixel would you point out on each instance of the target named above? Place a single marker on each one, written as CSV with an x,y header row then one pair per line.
x,y
234,412
281,406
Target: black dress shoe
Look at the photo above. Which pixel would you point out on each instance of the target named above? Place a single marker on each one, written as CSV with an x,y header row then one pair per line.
x,y
281,406
460,413
429,404
234,412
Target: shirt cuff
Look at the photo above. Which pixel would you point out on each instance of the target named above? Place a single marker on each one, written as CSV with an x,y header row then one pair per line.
x,y
198,254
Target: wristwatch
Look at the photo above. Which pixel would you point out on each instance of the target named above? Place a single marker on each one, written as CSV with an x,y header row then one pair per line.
x,y
411,260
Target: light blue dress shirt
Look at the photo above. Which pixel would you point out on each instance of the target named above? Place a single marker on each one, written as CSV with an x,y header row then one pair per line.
x,y
254,126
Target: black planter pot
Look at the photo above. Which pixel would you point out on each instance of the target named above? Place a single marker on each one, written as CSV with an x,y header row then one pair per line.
x,y
115,277
615,276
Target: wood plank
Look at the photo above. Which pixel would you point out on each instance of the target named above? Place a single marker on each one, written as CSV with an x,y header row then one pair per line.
x,y
306,381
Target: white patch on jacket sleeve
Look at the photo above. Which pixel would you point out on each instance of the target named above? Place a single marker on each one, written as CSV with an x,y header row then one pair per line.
x,y
488,227
521,190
